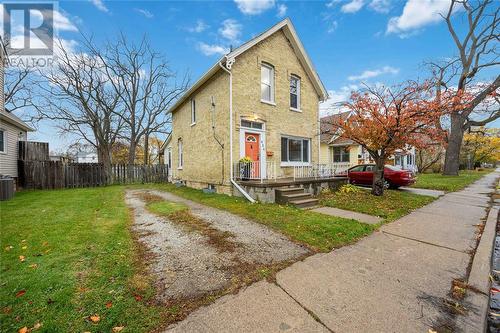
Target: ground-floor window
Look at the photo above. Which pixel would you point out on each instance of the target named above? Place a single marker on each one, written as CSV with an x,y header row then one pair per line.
x,y
295,150
2,141
341,154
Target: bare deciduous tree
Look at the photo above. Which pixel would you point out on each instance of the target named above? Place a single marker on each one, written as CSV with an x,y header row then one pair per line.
x,y
81,101
146,86
477,50
17,82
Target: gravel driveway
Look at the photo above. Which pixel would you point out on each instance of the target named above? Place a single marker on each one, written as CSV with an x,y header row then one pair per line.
x,y
186,265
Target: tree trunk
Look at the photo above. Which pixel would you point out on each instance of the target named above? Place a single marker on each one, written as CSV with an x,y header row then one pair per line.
x,y
104,157
452,157
131,159
378,177
146,149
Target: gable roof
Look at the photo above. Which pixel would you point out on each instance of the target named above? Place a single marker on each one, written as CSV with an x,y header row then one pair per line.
x,y
12,119
289,31
328,134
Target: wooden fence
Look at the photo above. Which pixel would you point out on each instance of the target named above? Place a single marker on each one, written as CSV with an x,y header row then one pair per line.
x,y
33,151
56,174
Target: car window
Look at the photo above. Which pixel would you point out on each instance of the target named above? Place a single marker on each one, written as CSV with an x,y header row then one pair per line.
x,y
357,168
370,168
393,168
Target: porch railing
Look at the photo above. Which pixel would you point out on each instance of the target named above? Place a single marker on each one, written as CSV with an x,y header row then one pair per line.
x,y
254,170
319,170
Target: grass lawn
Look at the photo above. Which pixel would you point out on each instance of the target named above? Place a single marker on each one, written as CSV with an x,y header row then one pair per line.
x,y
67,255
318,231
391,206
437,181
70,264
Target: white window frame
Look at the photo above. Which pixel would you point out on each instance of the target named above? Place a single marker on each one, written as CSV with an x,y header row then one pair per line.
x,y
4,134
341,154
193,112
295,163
271,84
298,108
180,149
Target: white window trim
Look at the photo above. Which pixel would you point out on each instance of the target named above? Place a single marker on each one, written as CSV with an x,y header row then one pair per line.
x,y
298,108
290,164
333,155
272,101
180,153
193,112
4,151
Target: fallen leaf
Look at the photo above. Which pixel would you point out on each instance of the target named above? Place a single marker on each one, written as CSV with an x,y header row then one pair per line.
x,y
45,243
137,297
109,304
34,266
117,329
82,289
8,248
24,247
95,318
37,326
23,241
20,293
23,330
22,258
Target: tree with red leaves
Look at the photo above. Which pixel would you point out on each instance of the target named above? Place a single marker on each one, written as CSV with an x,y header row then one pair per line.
x,y
383,120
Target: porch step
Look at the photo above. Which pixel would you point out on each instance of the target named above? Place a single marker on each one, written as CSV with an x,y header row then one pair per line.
x,y
290,190
305,203
295,196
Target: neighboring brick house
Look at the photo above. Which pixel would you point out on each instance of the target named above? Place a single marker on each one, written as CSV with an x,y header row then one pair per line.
x,y
261,101
337,150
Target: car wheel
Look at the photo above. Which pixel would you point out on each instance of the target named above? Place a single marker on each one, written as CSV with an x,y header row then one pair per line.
x,y
387,184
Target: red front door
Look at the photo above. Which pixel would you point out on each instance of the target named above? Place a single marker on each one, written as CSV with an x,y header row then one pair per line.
x,y
252,150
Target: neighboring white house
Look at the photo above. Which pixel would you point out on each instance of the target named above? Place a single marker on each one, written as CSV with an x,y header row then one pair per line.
x,y
12,130
86,157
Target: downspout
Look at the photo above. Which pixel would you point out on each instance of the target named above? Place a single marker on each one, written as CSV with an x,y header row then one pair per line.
x,y
235,184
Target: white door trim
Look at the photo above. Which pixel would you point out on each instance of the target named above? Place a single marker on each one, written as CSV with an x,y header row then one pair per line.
x,y
262,144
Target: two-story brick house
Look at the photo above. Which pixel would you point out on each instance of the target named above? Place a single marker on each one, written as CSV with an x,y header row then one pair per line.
x,y
260,101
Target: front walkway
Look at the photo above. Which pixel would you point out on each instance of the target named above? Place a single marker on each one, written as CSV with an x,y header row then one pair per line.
x,y
396,280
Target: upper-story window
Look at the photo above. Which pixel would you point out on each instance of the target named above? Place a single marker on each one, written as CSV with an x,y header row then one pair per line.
x,y
267,83
193,111
295,92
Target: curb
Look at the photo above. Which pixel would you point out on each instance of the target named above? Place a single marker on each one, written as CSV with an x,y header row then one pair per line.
x,y
477,299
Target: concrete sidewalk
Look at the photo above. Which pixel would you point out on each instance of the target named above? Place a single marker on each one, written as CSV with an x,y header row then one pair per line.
x,y
395,280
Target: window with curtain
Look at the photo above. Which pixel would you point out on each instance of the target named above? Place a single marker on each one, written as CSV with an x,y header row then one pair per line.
x,y
267,83
295,150
294,92
341,154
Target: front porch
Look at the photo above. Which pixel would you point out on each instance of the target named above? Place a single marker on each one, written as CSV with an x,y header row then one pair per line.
x,y
265,184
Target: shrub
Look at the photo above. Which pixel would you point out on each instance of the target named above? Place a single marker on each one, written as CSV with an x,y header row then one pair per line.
x,y
348,188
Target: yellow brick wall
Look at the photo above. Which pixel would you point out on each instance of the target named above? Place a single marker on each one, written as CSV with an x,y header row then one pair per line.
x,y
279,119
202,153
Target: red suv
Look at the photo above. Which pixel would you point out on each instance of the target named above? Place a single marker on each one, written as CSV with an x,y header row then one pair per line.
x,y
363,175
